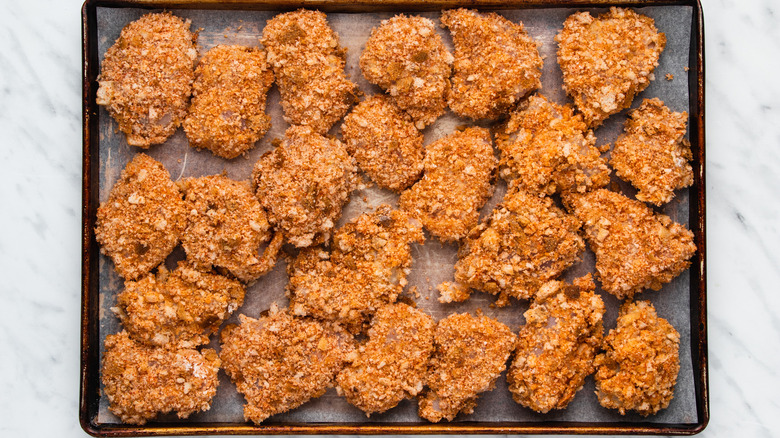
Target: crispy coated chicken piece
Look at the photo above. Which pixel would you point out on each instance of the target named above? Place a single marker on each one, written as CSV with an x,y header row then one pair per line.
x,y
180,308
640,363
367,267
653,154
226,225
141,221
635,248
557,345
407,58
279,362
458,181
469,355
525,242
227,115
496,64
142,381
304,183
608,60
146,78
546,148
392,365
308,62
385,143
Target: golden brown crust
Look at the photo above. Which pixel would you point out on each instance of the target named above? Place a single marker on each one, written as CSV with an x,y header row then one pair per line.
x,y
406,57
367,267
141,381
146,78
458,181
385,143
653,154
304,183
496,63
180,308
279,362
142,219
391,366
525,242
308,63
227,115
557,345
640,363
547,148
607,60
635,248
226,226
469,355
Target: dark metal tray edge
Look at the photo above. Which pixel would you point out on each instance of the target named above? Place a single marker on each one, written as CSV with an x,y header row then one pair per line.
x,y
90,362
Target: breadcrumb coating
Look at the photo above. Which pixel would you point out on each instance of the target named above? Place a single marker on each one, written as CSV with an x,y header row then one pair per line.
x,y
385,143
556,347
608,60
308,63
496,63
469,355
141,221
146,77
640,363
366,268
142,381
525,242
635,248
304,183
547,148
180,308
226,225
279,362
458,181
653,154
227,115
391,366
406,57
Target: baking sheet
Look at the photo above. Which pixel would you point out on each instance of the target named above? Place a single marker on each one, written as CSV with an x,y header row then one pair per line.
x,y
433,261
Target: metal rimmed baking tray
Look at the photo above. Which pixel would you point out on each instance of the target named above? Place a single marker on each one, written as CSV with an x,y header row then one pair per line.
x,y
683,301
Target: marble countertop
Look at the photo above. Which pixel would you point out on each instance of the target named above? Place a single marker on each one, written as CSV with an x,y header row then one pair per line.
x,y
40,183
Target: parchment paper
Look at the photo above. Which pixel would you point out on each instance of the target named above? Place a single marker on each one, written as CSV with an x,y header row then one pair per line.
x,y
433,261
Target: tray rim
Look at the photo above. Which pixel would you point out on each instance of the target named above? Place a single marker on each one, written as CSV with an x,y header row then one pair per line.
x,y
89,386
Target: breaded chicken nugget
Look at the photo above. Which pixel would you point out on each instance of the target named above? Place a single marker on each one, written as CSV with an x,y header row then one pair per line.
x,y
141,381
146,78
557,345
546,148
469,355
309,65
227,115
407,58
367,267
142,219
181,308
279,362
496,63
458,181
608,60
640,363
653,154
635,248
385,143
525,242
304,183
226,226
391,366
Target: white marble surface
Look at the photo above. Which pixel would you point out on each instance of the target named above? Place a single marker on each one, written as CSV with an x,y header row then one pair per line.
x,y
40,190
